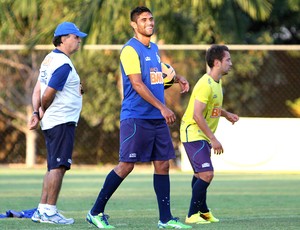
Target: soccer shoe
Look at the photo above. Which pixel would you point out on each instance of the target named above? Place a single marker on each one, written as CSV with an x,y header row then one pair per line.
x,y
173,223
37,216
196,219
57,218
100,221
209,217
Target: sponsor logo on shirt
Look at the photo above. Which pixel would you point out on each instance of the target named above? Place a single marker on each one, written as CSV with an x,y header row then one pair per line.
x,y
156,78
216,112
147,58
43,75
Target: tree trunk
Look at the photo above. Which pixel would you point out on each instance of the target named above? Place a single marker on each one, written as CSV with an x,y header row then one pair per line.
x,y
31,137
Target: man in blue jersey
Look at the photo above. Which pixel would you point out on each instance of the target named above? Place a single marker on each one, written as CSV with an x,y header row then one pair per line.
x,y
57,102
144,132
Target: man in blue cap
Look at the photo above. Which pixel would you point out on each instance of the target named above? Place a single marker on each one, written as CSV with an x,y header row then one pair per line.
x,y
57,102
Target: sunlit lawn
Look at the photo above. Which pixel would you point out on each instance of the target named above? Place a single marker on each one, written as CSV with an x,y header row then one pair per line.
x,y
240,200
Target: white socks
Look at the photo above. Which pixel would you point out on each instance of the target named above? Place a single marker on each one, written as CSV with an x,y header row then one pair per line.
x,y
50,210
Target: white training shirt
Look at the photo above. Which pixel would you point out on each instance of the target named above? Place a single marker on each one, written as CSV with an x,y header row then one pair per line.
x,y
67,104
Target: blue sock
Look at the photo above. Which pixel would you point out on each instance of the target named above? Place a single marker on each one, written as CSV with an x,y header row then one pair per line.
x,y
194,180
110,185
198,201
161,185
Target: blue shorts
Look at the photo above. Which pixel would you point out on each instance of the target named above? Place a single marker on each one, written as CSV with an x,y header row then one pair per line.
x,y
60,143
143,140
199,153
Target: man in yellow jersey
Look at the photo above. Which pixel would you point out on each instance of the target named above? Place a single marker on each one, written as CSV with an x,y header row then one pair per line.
x,y
197,129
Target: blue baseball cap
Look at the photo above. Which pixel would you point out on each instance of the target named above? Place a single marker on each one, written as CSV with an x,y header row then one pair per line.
x,y
68,28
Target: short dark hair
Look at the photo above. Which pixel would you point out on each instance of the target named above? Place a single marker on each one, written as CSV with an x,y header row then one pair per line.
x,y
137,12
215,52
56,41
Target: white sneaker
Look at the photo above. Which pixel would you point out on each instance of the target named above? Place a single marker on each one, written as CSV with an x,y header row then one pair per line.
x,y
37,216
57,218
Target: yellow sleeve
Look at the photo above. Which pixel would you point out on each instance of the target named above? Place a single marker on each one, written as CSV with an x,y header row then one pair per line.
x,y
130,61
203,90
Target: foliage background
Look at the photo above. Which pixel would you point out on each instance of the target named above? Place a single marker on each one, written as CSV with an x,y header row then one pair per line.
x,y
262,83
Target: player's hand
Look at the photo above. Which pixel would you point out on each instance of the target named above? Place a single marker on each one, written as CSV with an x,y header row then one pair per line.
x,y
184,84
168,115
33,122
217,146
232,117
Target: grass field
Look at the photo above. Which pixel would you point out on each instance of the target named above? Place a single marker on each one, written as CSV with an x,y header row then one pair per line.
x,y
259,201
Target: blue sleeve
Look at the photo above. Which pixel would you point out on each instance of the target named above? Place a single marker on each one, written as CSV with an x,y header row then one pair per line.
x,y
59,77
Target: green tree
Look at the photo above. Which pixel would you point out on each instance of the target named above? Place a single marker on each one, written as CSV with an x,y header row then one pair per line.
x,y
32,22
177,22
25,22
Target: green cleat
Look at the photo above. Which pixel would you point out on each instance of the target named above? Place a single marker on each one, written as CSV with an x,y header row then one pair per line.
x,y
100,221
173,223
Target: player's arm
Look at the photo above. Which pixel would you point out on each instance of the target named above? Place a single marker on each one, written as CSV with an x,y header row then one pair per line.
x,y
48,97
36,98
131,65
36,104
229,116
139,86
199,108
56,83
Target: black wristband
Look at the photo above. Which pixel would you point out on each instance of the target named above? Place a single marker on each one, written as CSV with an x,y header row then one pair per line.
x,y
176,80
36,113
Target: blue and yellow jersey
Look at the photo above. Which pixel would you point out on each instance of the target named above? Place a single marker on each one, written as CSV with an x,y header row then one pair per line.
x,y
136,58
209,92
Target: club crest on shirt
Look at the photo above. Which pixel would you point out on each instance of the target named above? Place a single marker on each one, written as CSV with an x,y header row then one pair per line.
x,y
47,61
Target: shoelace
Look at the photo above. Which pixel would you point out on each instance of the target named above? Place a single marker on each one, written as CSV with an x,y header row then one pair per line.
x,y
62,216
175,219
105,218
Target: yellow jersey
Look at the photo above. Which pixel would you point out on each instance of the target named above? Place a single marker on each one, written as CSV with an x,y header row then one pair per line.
x,y
209,92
